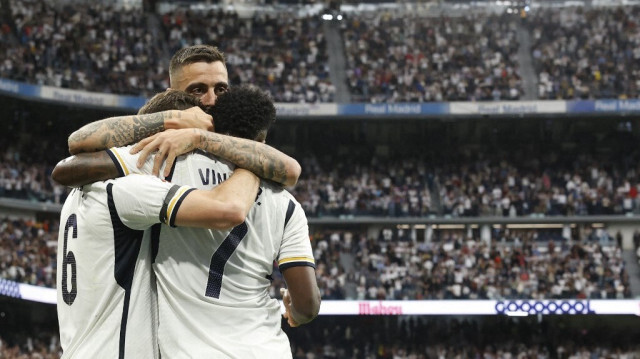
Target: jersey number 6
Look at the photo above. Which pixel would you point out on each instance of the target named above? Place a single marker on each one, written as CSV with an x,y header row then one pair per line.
x,y
68,258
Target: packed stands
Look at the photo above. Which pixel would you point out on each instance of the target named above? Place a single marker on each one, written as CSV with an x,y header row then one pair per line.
x,y
382,187
400,57
28,181
516,264
42,345
586,53
493,185
379,337
544,186
392,56
392,187
577,53
285,55
103,49
30,146
497,337
392,266
95,48
28,251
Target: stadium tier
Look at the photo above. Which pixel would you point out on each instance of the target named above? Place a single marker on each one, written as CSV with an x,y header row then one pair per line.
x,y
351,265
375,55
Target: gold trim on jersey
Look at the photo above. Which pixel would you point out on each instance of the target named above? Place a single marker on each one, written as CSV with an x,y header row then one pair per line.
x,y
120,161
296,259
173,202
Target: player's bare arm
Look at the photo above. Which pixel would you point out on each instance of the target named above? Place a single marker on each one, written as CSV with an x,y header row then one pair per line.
x,y
125,130
84,168
259,158
302,296
223,207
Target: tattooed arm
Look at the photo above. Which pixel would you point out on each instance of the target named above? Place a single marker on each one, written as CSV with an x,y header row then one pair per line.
x,y
84,168
259,158
125,130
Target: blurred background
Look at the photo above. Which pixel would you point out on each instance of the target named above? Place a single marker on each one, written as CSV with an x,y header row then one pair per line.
x,y
470,168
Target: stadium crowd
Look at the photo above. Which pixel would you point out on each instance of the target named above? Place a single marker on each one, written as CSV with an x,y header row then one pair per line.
x,y
28,251
542,186
39,345
391,56
429,338
28,181
382,187
400,57
380,337
586,53
352,265
520,264
101,48
95,48
283,54
491,186
389,187
470,58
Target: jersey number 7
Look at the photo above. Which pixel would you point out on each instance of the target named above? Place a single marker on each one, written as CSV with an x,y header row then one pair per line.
x,y
220,258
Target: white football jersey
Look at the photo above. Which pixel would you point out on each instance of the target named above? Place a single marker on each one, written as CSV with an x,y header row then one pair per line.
x,y
213,286
107,305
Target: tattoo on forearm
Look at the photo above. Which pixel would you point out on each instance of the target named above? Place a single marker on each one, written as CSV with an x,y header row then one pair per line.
x,y
263,160
146,125
118,131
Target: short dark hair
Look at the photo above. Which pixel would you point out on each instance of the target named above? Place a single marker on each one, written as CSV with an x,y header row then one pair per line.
x,y
170,100
244,111
192,54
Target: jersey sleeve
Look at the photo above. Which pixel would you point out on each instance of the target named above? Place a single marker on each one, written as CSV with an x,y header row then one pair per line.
x,y
295,249
126,163
142,201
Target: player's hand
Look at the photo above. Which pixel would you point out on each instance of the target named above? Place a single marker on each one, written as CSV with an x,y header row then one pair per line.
x,y
194,117
167,146
286,299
